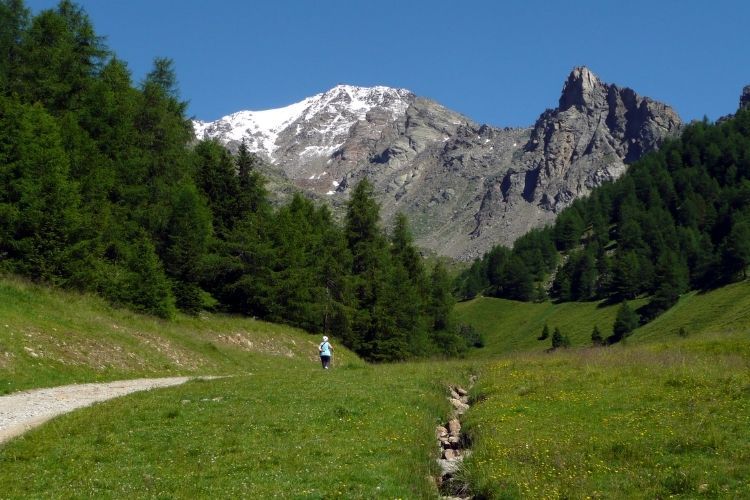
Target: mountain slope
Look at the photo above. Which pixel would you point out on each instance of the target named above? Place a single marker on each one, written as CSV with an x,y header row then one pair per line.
x,y
706,318
49,337
465,187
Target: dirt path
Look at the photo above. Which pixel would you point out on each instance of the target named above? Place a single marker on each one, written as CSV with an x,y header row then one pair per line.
x,y
25,410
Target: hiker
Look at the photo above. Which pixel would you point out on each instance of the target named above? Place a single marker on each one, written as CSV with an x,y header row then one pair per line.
x,y
325,349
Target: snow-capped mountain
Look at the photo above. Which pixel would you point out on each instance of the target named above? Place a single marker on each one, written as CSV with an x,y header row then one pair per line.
x,y
324,120
464,187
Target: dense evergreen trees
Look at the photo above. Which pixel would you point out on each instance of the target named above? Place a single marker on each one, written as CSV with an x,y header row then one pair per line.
x,y
104,188
679,219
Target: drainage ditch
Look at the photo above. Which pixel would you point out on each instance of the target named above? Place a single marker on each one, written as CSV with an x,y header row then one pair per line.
x,y
454,447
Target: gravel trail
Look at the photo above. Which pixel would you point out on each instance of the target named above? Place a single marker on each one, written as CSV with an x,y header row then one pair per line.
x,y
24,410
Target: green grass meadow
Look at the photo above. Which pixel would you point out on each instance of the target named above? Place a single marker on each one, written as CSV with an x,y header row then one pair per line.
x,y
665,414
619,422
284,430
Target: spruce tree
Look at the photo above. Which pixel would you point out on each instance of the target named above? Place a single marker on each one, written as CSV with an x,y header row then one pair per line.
x,y
441,299
559,340
369,262
14,21
596,337
252,196
406,254
625,322
39,205
188,233
545,333
217,179
59,56
568,229
736,250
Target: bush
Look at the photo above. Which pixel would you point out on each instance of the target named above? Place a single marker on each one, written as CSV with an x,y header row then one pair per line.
x,y
471,335
559,340
626,321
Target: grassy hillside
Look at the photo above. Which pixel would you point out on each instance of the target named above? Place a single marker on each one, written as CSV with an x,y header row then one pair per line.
x,y
660,415
722,311
49,337
510,326
658,420
278,426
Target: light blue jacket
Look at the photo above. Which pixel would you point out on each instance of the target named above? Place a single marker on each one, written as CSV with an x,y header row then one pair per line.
x,y
325,349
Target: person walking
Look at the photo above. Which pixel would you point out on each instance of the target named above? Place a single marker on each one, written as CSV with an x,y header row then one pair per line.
x,y
325,349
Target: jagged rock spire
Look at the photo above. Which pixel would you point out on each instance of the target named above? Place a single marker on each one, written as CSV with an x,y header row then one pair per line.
x,y
582,88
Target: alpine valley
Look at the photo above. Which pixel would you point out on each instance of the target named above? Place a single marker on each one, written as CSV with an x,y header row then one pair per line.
x,y
464,187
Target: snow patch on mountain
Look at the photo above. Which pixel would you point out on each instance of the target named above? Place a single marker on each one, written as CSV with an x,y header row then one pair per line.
x,y
328,117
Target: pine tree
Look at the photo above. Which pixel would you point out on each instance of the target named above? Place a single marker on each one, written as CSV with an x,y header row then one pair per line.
x,y
39,206
252,196
14,21
596,337
671,278
188,233
559,340
217,179
625,322
627,275
369,263
59,58
583,283
545,333
568,229
736,250
146,287
406,254
441,299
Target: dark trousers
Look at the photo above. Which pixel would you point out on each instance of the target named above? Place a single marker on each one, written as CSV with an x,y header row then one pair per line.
x,y
325,361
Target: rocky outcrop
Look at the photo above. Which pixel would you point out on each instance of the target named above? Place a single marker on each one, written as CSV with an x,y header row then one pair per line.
x,y
596,130
464,187
745,98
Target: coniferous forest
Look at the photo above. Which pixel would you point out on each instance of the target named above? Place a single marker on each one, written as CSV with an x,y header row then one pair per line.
x,y
104,189
678,220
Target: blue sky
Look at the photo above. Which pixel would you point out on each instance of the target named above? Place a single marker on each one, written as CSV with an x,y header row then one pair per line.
x,y
498,62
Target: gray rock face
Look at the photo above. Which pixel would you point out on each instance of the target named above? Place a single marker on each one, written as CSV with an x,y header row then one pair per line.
x,y
464,187
745,98
588,139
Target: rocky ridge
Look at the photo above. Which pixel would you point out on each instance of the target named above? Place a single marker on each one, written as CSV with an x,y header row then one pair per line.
x,y
465,187
596,130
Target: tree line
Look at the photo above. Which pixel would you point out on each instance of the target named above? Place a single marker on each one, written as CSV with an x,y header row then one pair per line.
x,y
678,220
103,188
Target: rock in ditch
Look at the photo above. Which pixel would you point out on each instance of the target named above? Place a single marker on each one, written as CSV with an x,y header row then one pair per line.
x,y
449,467
454,427
459,406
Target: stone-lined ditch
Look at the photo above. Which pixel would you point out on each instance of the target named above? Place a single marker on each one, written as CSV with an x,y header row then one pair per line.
x,y
454,446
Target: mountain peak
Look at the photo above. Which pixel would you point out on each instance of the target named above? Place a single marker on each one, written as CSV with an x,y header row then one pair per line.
x,y
579,86
327,116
